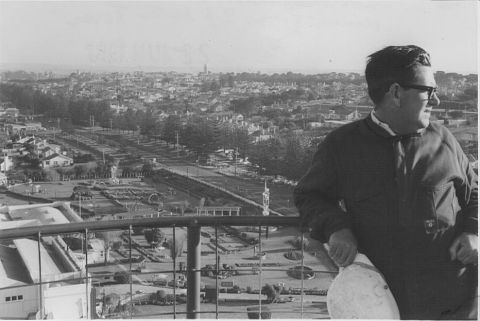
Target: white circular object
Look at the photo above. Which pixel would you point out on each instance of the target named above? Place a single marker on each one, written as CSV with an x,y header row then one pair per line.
x,y
360,292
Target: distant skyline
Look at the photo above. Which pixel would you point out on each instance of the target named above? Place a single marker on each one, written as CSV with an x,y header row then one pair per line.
x,y
233,36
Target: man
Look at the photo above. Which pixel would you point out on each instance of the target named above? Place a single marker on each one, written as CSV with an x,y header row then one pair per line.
x,y
400,190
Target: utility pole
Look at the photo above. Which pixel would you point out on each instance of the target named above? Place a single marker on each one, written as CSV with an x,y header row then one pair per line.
x,y
266,204
176,146
236,156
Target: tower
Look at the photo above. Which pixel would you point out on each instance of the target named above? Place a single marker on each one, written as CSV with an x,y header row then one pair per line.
x,y
205,70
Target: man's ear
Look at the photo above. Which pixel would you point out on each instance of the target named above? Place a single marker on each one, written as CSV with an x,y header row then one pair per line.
x,y
394,92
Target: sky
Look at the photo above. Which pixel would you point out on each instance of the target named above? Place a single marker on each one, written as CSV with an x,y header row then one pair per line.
x,y
234,36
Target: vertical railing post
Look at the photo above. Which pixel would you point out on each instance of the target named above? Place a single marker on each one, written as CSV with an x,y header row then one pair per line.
x,y
216,271
260,281
86,272
302,274
193,271
40,275
130,268
174,254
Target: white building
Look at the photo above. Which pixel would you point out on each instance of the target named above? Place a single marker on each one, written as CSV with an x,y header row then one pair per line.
x,y
7,164
21,296
57,160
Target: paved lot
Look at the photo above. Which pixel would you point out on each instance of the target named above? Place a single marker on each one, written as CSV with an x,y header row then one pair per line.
x,y
275,247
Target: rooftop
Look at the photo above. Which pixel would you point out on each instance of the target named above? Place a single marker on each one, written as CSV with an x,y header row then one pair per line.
x,y
44,214
28,251
12,270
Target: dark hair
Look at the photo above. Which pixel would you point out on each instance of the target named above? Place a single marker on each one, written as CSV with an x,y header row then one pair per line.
x,y
392,64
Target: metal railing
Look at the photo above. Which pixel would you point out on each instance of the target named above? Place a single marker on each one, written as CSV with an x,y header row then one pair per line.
x,y
193,225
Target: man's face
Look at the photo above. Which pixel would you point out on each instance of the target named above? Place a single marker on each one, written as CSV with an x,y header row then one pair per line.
x,y
415,107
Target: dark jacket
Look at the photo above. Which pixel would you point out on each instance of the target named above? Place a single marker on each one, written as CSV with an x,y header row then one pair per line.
x,y
406,198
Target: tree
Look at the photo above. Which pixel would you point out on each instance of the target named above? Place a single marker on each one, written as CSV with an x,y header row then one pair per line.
x,y
137,230
122,277
109,238
267,155
110,303
456,114
171,128
293,159
154,236
161,295
80,170
272,292
199,136
83,158
147,169
244,106
149,126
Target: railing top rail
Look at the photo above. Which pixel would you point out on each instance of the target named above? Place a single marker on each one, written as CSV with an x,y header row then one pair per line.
x,y
165,221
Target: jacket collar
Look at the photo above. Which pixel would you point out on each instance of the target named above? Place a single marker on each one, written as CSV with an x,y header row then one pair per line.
x,y
384,132
382,124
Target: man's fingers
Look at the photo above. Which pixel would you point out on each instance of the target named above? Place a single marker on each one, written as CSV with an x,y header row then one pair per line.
x,y
454,248
351,257
342,243
333,251
336,253
462,254
342,255
466,255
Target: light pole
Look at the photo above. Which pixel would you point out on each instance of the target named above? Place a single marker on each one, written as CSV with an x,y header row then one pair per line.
x,y
236,152
80,204
266,204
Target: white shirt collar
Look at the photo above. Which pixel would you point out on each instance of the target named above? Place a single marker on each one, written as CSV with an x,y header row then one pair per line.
x,y
382,124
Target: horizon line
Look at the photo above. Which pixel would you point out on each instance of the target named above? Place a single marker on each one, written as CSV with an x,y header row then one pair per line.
x,y
67,68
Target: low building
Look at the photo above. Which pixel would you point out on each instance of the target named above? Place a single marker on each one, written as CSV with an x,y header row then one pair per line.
x,y
57,160
12,112
57,289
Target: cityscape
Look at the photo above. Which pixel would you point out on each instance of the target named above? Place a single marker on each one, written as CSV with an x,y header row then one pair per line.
x,y
168,192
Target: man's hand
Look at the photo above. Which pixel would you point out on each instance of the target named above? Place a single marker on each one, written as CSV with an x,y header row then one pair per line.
x,y
465,248
342,247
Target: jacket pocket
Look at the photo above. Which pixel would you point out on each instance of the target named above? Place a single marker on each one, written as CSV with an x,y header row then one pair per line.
x,y
435,224
438,207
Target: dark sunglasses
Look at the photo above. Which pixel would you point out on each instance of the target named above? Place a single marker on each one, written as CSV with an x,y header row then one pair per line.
x,y
430,90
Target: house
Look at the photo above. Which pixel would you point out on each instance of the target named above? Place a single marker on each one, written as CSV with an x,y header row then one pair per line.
x,y
45,149
118,109
314,124
45,152
26,140
15,150
12,112
57,160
